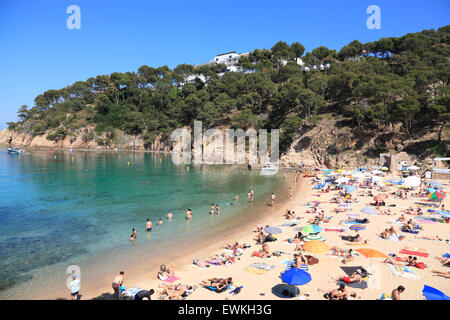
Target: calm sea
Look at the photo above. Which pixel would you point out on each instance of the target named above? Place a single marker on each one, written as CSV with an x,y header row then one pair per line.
x,y
59,208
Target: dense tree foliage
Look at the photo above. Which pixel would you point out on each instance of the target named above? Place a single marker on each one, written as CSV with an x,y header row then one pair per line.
x,y
391,80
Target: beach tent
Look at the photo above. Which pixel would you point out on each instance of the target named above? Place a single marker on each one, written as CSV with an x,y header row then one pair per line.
x,y
431,293
412,181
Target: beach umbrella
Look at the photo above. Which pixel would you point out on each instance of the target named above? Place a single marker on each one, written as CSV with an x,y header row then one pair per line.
x,y
431,293
350,189
371,253
315,246
296,277
369,210
311,228
431,190
380,197
412,181
272,230
376,179
435,195
342,180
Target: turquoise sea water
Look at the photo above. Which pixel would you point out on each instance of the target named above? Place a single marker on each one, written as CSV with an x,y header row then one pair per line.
x,y
59,208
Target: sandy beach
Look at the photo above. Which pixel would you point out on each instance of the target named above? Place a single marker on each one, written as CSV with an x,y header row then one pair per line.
x,y
259,286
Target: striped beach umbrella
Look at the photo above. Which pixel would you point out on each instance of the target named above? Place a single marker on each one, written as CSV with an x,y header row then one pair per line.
x,y
435,195
311,228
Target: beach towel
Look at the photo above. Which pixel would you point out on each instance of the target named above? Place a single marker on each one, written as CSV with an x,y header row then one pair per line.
x,y
211,288
255,270
262,266
404,272
131,292
385,296
355,285
337,229
172,279
415,252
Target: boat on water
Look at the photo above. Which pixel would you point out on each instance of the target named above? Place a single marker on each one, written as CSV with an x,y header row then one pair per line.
x,y
15,151
269,169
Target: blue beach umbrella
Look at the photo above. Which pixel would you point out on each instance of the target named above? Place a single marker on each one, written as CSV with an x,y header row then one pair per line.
x,y
350,189
369,210
273,230
431,293
296,277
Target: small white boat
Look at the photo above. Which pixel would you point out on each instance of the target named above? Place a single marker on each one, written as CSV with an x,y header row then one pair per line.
x,y
15,151
269,169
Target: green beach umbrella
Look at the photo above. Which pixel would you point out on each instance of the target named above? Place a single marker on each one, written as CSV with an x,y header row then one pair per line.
x,y
311,228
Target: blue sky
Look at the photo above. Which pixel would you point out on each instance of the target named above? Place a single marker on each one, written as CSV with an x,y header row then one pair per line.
x,y
38,52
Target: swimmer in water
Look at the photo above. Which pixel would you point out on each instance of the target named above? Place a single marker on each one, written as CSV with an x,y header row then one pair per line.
x,y
189,214
212,209
160,222
170,216
133,234
273,200
217,209
236,197
148,225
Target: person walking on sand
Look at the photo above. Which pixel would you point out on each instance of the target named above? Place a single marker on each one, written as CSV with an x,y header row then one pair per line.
x,y
74,287
273,199
148,225
117,282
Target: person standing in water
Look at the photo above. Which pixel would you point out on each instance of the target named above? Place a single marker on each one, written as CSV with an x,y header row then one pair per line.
x,y
148,225
273,199
236,197
133,234
217,209
170,216
189,214
251,195
212,209
160,222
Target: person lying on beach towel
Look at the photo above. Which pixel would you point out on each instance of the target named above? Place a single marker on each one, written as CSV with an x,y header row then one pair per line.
x,y
341,293
444,261
263,253
201,264
174,292
217,284
346,254
399,261
354,239
435,238
360,221
355,277
441,274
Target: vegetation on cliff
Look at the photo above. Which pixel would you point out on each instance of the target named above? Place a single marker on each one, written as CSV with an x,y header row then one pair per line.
x,y
373,85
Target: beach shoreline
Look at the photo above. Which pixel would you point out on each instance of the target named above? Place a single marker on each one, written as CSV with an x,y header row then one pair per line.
x,y
144,273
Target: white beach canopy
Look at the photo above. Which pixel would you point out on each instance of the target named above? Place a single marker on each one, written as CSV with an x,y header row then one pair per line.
x,y
412,181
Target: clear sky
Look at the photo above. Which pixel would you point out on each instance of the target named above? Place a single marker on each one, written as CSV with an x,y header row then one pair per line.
x,y
38,52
